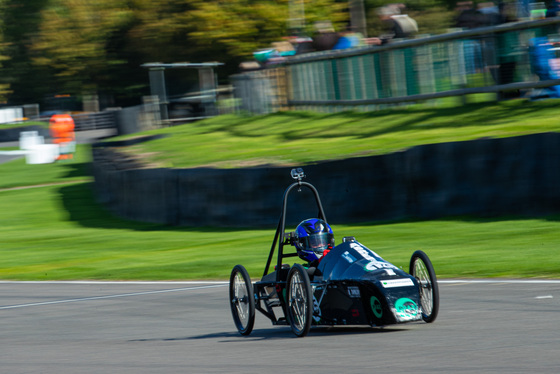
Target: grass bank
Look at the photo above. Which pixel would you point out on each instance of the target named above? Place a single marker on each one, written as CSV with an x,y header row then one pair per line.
x,y
303,137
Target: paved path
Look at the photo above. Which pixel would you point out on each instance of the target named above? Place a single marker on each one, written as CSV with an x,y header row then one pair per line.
x,y
187,328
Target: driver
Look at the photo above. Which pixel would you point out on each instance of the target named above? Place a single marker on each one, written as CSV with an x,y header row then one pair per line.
x,y
313,240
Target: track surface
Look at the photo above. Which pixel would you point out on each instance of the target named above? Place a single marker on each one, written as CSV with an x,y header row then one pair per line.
x,y
187,328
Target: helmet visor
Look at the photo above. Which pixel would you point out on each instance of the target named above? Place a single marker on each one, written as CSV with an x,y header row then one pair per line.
x,y
318,242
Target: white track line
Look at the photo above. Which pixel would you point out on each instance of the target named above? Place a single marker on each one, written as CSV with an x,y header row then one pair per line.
x,y
214,284
442,281
510,281
114,282
14,153
110,296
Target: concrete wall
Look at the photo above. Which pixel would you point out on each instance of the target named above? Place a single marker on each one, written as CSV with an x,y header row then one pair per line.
x,y
519,175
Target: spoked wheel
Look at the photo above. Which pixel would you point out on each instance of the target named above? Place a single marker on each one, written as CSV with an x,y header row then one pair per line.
x,y
422,269
242,300
300,300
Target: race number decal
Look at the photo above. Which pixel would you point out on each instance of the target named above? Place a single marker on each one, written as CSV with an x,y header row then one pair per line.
x,y
406,309
368,254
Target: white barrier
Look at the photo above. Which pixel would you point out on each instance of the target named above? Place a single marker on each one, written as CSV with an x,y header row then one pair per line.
x,y
28,139
36,152
42,154
10,115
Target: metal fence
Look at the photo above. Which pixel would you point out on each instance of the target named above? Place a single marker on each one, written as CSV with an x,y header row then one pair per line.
x,y
500,60
95,121
88,120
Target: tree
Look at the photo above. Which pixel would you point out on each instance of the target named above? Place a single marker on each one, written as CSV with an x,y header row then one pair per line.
x,y
4,86
243,26
100,46
72,41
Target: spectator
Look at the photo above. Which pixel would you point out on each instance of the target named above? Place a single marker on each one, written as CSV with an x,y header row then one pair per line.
x,y
349,39
553,9
467,17
325,38
397,25
489,14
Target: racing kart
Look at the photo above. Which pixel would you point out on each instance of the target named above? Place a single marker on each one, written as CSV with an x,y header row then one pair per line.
x,y
351,285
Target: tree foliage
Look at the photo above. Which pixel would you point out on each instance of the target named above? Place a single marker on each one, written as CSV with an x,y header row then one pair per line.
x,y
243,26
73,39
4,87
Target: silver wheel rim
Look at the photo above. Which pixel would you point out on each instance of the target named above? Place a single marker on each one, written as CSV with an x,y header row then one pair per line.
x,y
298,304
241,299
426,297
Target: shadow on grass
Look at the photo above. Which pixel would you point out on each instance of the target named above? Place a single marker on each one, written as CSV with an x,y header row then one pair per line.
x,y
409,118
79,201
77,170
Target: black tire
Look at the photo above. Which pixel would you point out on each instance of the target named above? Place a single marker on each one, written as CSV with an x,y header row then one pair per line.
x,y
299,300
422,269
242,300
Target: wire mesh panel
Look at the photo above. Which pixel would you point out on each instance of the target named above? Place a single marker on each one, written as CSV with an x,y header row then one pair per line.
x,y
264,91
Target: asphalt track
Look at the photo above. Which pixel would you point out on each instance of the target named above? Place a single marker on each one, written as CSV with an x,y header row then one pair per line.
x,y
483,327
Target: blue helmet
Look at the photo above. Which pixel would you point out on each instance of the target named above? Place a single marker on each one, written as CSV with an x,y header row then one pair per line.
x,y
312,237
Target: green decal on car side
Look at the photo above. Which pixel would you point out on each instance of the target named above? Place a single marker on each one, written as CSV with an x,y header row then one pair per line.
x,y
376,307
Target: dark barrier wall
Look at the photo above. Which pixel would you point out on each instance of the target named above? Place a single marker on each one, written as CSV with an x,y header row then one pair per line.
x,y
13,134
519,175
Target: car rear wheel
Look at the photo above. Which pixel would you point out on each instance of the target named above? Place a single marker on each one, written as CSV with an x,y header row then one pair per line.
x,y
299,301
422,269
242,300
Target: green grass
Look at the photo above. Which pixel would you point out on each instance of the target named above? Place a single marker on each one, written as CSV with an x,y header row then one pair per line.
x,y
26,123
302,137
58,232
17,173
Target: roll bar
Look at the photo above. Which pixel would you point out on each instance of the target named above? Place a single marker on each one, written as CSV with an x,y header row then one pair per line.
x,y
280,237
